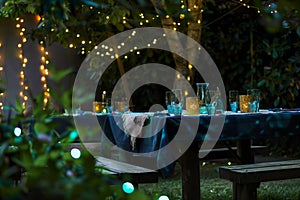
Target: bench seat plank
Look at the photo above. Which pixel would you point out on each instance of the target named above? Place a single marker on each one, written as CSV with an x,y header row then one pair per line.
x,y
127,171
261,172
246,178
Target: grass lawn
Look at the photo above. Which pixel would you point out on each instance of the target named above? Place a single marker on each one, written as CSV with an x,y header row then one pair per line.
x,y
214,188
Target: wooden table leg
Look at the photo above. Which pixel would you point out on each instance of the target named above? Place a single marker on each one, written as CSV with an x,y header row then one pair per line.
x,y
190,173
244,151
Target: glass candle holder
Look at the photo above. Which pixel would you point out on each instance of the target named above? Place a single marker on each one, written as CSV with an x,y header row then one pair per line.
x,y
192,105
98,106
244,99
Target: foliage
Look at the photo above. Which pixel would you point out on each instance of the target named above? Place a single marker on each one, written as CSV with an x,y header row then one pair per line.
x,y
249,55
35,160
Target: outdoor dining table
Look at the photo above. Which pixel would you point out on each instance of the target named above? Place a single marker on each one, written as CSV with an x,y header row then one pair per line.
x,y
240,128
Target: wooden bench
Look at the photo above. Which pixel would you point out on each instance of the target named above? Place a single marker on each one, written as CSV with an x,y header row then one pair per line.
x,y
120,170
247,178
127,172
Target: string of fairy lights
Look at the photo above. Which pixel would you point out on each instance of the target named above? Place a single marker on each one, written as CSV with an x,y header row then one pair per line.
x,y
44,61
143,21
44,73
1,71
23,81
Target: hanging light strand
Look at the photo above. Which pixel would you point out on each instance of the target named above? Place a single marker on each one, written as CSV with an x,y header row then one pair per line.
x,y
44,74
247,5
24,61
1,71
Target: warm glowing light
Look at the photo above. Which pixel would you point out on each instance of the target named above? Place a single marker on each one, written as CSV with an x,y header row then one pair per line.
x,y
37,18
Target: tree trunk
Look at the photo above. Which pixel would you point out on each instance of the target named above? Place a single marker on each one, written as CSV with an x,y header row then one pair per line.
x,y
193,31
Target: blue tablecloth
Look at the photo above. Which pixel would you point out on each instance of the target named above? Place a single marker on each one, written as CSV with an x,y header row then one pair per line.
x,y
161,130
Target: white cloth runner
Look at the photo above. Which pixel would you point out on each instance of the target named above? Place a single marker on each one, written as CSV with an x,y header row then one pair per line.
x,y
133,125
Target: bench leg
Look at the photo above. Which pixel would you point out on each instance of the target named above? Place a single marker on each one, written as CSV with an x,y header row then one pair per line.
x,y
244,151
244,191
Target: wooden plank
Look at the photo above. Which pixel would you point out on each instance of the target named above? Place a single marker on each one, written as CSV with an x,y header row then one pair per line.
x,y
121,167
127,172
261,172
264,164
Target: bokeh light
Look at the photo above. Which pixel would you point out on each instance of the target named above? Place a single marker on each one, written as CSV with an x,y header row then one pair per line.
x,y
128,187
75,153
17,131
163,197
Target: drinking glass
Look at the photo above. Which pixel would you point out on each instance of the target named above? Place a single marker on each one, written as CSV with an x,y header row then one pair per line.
x,y
202,94
121,105
233,98
170,96
215,100
178,99
108,105
255,97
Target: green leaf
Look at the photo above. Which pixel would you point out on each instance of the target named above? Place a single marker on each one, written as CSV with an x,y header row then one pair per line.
x,y
120,27
58,74
18,106
261,83
41,160
41,127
